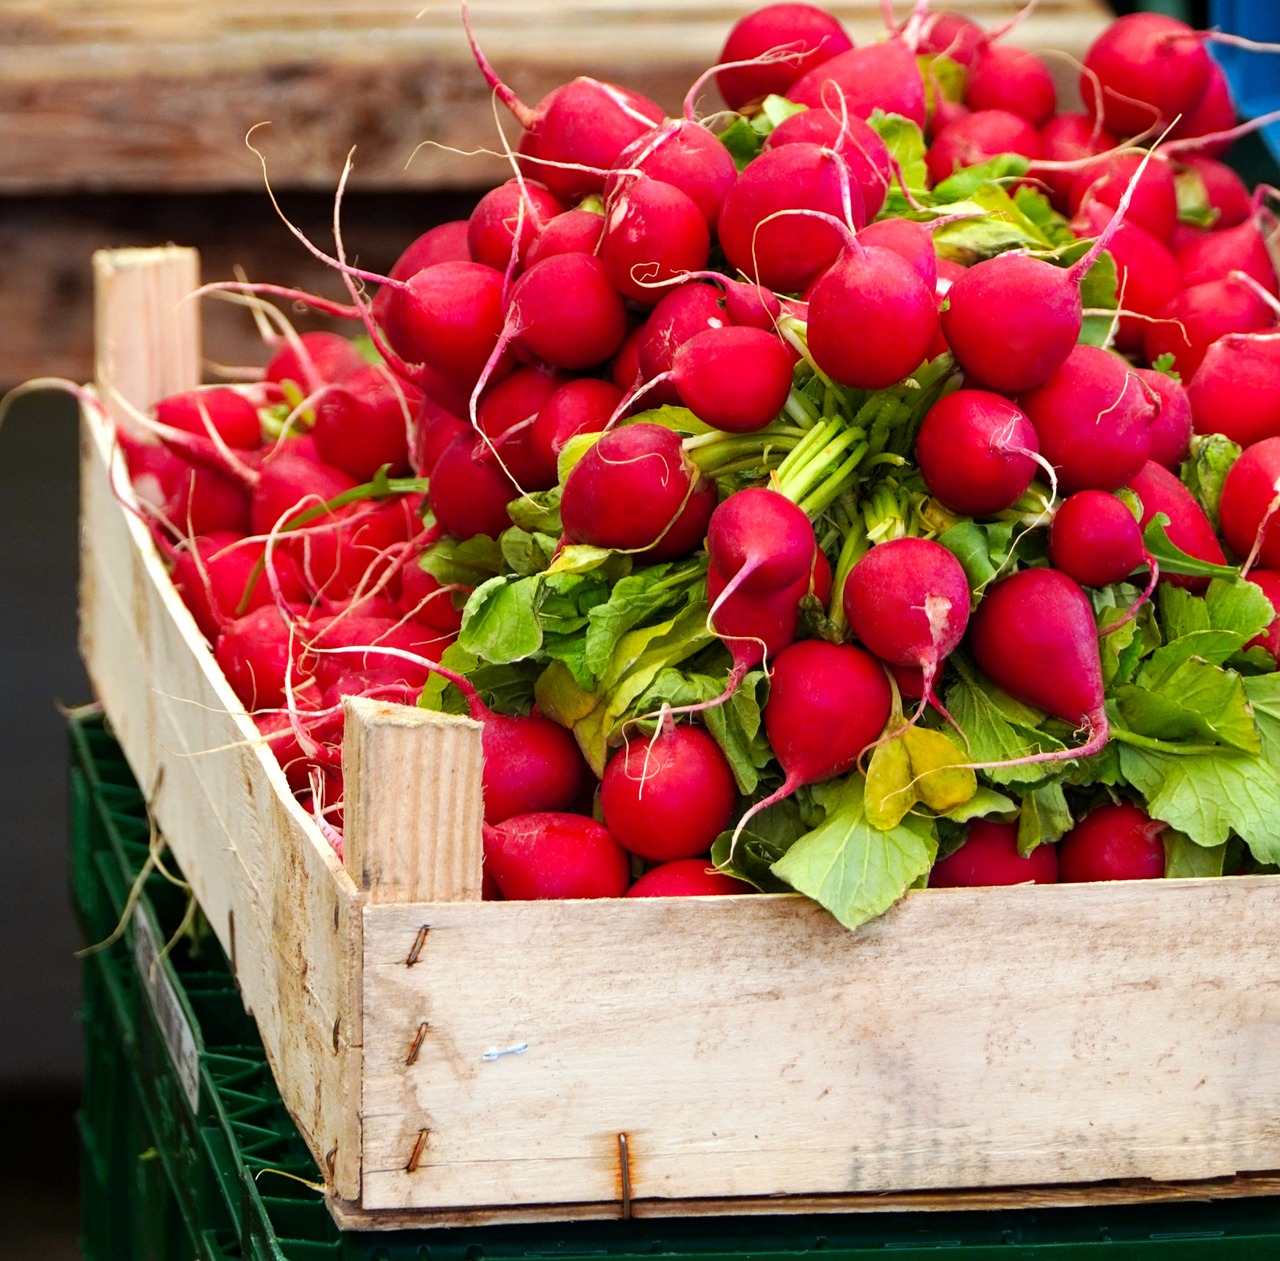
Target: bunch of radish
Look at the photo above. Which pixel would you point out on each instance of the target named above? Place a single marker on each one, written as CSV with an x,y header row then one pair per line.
x,y
876,475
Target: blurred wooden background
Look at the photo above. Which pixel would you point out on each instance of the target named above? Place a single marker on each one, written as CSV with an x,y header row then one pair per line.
x,y
124,122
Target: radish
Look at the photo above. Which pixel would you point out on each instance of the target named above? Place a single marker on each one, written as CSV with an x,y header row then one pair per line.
x,y
315,359
686,878
506,416
734,379
785,41
1093,420
864,153
1008,78
978,137
685,155
950,35
582,405
635,490
219,412
1195,318
1154,200
653,235
212,574
1215,255
566,312
1250,495
424,599
907,600
469,491
1227,192
1269,639
516,205
1116,841
1236,389
989,856
257,653
531,765
976,451
1033,620
573,232
434,428
1066,138
202,501
909,240
670,796
1095,539
1188,529
788,252
680,313
1215,113
364,423
759,541
1143,71
555,855
882,76
1171,430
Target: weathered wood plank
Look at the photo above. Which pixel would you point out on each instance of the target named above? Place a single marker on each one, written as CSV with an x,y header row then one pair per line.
x,y
753,1048
117,94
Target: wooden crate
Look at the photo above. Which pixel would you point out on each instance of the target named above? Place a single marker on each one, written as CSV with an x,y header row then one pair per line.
x,y
453,1061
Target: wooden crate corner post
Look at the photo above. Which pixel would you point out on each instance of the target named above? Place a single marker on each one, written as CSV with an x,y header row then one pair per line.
x,y
413,802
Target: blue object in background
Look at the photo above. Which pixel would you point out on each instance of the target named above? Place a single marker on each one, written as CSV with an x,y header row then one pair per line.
x,y
1254,76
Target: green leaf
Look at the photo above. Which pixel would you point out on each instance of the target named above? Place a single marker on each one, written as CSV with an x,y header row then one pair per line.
x,y
742,140
527,554
848,866
1205,470
1184,859
774,110
1239,607
764,840
635,599
1194,206
1164,363
506,689
1034,205
967,183
1196,701
468,562
499,622
539,512
981,549
905,143
1173,560
1044,817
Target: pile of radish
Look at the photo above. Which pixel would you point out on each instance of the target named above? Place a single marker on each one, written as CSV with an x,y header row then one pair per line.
x,y
867,485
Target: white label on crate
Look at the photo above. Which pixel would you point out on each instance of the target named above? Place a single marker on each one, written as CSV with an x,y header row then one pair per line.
x,y
175,1028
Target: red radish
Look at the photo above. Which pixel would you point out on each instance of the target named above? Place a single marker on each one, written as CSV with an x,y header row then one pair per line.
x,y
760,541
469,491
425,600
1154,199
1215,112
204,502
909,240
827,703
219,412
978,137
853,139
154,470
491,230
346,651
636,490
583,405
445,243
735,379
566,312
1195,318
872,320
1236,389
1269,639
755,626
555,855
624,372
1215,255
1172,427
1248,507
653,235
1093,420
574,232
989,856
785,41
531,764
1188,528
975,451
879,76
1116,841
685,155
679,314
751,305
211,573
289,484
1143,71
256,652
670,796
316,359
788,252
686,878
364,423
1065,138
1095,539
355,551
951,35
434,428
944,112
505,417
1033,620
1005,77
1227,192
907,600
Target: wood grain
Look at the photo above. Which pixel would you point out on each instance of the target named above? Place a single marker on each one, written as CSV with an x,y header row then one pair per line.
x,y
751,1048
139,94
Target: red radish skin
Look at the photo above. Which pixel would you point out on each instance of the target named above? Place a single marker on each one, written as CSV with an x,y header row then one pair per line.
x,y
1197,317
1117,841
800,37
491,230
951,35
289,484
687,878
1236,389
566,312
788,252
1228,194
204,502
1033,634
468,492
670,796
318,358
1066,138
1093,420
1188,528
506,416
1269,640
219,411
734,379
424,599
445,243
679,314
978,137
434,428
1095,539
1005,77
878,76
583,405
256,654
555,855
212,571
635,490
653,235
989,856
1143,71
760,541
910,241
574,232
1248,505
865,154
907,600
1154,204
972,450
624,371
531,765
1215,112
687,156
1172,428
1215,255
364,423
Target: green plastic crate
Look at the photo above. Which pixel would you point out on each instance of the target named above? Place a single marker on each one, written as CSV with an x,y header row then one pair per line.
x,y
165,1180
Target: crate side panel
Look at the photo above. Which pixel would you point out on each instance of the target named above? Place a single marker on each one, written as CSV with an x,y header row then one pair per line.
x,y
993,1038
283,909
